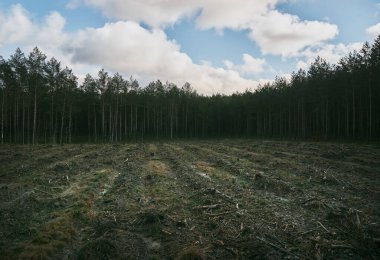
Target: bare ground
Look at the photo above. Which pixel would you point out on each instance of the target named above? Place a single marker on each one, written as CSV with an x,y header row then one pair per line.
x,y
229,199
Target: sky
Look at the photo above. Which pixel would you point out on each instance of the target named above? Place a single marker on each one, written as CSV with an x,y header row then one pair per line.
x,y
218,46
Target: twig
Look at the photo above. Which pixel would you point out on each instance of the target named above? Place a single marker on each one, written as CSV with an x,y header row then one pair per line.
x,y
323,227
43,191
335,178
207,206
342,247
273,245
357,219
308,200
307,232
165,232
232,251
220,214
225,196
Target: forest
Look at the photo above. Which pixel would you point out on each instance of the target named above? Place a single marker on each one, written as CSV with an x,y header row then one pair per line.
x,y
42,102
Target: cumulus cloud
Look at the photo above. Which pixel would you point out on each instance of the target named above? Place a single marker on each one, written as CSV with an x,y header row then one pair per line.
x,y
374,30
275,33
332,53
73,4
251,65
123,46
159,13
301,64
127,47
232,14
286,35
15,25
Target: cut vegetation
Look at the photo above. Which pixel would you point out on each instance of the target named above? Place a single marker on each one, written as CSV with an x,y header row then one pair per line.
x,y
231,199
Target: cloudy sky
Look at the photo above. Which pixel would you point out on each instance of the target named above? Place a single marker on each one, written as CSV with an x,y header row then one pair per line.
x,y
219,46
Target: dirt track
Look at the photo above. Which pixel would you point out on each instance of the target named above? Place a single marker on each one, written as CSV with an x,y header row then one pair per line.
x,y
230,199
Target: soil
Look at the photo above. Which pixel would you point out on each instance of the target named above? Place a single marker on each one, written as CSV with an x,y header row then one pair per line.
x,y
229,199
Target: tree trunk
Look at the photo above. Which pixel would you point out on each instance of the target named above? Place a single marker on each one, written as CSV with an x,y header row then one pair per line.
x,y
35,115
29,120
62,119
89,122
347,117
136,117
131,119
186,127
2,117
171,122
110,124
303,120
56,127
52,119
116,118
103,123
95,126
15,119
370,109
70,109
125,120
353,112
23,119
327,118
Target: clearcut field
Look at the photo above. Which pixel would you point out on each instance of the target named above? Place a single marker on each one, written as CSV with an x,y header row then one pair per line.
x,y
230,199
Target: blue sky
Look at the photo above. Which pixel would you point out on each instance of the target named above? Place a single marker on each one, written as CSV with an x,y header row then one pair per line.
x,y
217,46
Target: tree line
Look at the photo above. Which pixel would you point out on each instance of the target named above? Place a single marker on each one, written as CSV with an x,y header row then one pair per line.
x,y
41,102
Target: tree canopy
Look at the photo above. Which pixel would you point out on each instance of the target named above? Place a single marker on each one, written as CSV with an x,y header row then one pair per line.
x,y
43,102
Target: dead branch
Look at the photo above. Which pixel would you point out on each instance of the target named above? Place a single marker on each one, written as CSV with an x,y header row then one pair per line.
x,y
166,232
273,245
323,227
43,191
220,214
342,247
214,206
308,200
307,232
225,196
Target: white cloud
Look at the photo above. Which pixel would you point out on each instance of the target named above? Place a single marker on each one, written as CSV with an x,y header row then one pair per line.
x,y
127,47
287,35
51,34
233,14
19,29
148,54
287,76
330,52
156,13
302,65
275,33
160,13
15,25
251,65
374,30
123,46
73,4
